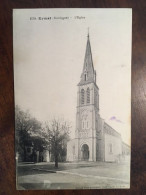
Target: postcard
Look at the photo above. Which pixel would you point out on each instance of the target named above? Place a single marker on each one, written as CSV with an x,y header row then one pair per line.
x,y
72,82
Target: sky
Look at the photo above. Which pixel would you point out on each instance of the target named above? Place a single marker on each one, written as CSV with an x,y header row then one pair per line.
x,y
49,56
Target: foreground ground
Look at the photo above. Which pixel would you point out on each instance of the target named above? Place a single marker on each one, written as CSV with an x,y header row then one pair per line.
x,y
73,175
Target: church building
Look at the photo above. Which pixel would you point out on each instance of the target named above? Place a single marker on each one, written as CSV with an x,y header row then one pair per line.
x,y
94,139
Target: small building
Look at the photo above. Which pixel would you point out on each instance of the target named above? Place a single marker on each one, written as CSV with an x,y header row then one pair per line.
x,y
35,150
125,149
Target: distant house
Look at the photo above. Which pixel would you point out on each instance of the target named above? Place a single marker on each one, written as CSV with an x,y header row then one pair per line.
x,y
35,151
125,149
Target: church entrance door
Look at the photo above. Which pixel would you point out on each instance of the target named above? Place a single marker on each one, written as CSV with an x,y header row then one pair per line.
x,y
85,152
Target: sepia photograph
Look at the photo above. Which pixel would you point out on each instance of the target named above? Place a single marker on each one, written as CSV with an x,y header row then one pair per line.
x,y
72,85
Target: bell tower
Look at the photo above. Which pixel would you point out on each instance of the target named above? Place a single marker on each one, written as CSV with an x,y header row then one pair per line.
x,y
87,109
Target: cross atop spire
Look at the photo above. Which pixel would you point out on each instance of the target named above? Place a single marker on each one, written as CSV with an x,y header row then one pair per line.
x,y
88,74
88,33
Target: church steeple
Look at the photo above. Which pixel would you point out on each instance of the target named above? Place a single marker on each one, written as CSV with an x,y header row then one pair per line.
x,y
88,74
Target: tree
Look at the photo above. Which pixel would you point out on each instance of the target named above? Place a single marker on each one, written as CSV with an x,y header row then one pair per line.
x,y
29,132
25,127
58,135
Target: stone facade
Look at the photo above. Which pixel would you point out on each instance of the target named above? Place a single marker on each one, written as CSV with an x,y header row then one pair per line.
x,y
94,139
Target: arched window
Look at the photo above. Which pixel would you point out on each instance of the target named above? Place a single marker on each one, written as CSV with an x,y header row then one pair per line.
x,y
96,99
83,124
82,96
73,150
110,148
87,124
88,96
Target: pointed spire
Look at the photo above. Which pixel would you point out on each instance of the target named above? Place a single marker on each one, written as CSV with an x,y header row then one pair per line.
x,y
88,73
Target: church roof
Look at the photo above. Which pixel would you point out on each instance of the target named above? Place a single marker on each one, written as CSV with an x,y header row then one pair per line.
x,y
123,143
109,130
88,74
